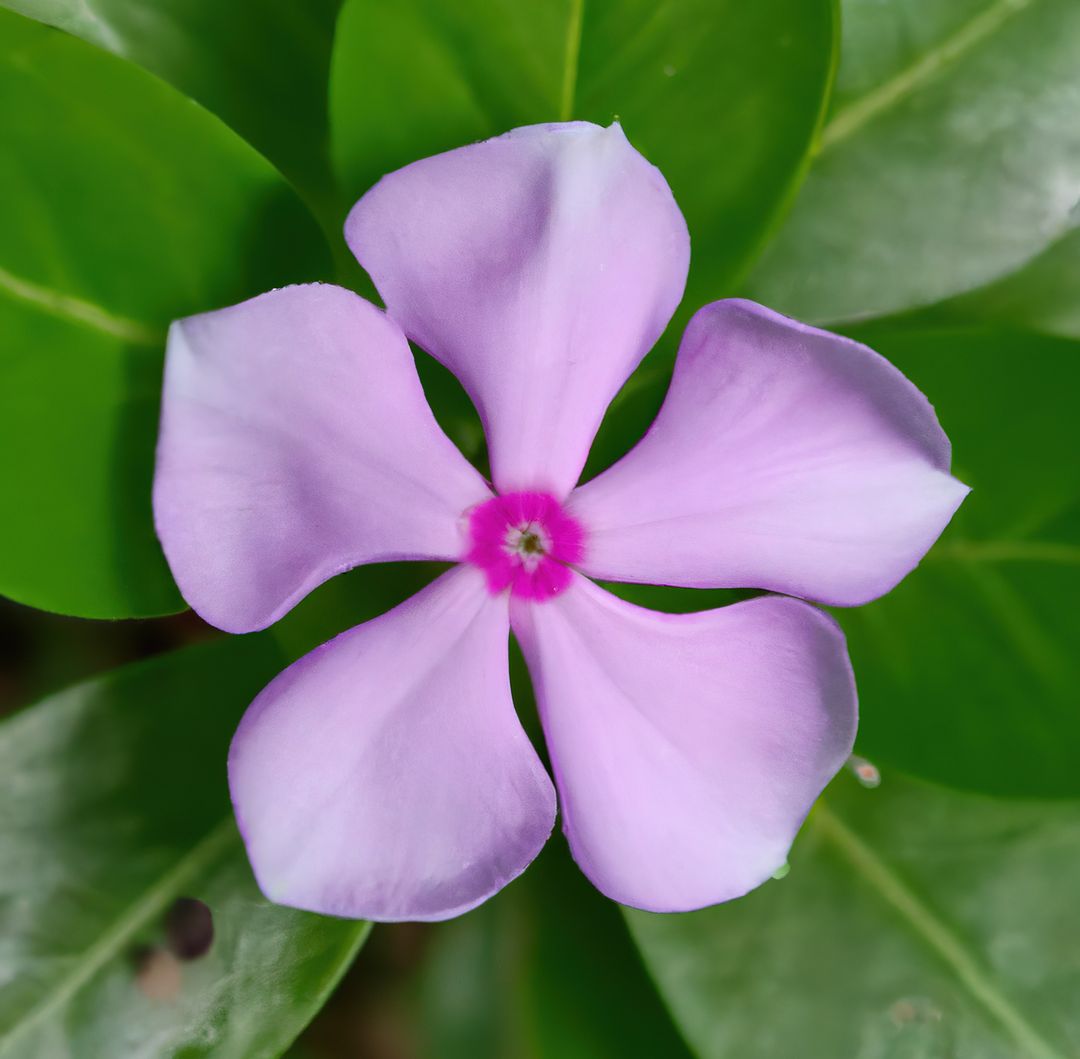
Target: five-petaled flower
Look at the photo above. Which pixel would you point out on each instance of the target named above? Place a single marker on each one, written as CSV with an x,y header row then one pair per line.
x,y
385,775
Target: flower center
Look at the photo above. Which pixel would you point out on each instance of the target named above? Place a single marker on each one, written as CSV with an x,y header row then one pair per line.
x,y
524,542
527,541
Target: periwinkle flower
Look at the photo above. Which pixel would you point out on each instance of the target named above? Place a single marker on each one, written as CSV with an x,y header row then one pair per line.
x,y
385,774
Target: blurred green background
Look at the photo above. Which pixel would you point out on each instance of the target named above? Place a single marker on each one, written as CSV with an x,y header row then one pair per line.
x,y
903,171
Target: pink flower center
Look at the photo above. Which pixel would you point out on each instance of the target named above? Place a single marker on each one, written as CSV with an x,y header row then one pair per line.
x,y
524,541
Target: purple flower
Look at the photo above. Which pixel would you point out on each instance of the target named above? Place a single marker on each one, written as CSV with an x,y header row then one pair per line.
x,y
385,775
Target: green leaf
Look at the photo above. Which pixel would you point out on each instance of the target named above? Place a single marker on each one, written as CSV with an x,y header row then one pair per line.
x,y
124,207
968,670
914,924
544,970
723,96
113,804
260,65
1041,296
951,157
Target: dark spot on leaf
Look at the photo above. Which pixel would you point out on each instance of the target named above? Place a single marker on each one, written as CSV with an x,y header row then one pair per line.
x,y
189,927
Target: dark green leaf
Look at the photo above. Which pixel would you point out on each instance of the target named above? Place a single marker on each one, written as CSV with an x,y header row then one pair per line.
x,y
951,158
1044,295
545,970
356,596
968,671
124,206
723,96
914,924
113,805
260,65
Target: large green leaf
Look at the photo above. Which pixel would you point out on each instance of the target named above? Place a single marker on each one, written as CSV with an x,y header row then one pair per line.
x,y
1044,295
724,97
112,805
914,924
951,158
544,970
260,65
968,671
124,206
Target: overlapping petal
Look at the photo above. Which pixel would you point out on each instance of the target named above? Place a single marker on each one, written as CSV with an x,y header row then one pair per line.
x,y
295,443
385,775
784,457
688,748
539,267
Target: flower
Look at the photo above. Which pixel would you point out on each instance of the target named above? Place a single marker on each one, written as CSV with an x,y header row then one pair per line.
x,y
385,774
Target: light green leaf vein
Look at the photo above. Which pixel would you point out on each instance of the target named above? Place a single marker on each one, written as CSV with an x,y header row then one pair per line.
x,y
853,117
571,59
119,935
75,310
1009,551
936,934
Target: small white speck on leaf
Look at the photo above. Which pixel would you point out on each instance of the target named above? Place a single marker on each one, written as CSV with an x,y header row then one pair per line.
x,y
866,772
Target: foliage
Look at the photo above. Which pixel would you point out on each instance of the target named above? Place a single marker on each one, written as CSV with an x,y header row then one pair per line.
x,y
162,157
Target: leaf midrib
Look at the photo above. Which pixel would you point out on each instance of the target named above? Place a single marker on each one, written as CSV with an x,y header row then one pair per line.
x,y
115,938
991,551
936,934
75,310
571,59
849,119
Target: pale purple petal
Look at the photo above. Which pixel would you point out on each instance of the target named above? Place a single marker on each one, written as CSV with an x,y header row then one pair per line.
x,y
385,775
785,458
539,267
296,443
687,748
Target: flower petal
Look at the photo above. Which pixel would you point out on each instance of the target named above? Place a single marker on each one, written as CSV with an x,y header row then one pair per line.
x,y
539,267
687,748
784,458
296,443
385,775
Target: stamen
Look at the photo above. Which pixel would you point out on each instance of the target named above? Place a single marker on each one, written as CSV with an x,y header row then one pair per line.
x,y
530,543
524,542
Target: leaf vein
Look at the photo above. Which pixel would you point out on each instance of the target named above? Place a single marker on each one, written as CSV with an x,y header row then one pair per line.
x,y
853,117
571,60
75,310
936,934
1009,551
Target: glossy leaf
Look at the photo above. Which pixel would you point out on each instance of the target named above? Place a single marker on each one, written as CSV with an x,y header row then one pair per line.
x,y
1043,295
723,97
950,159
914,924
968,670
545,970
113,804
260,65
122,206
